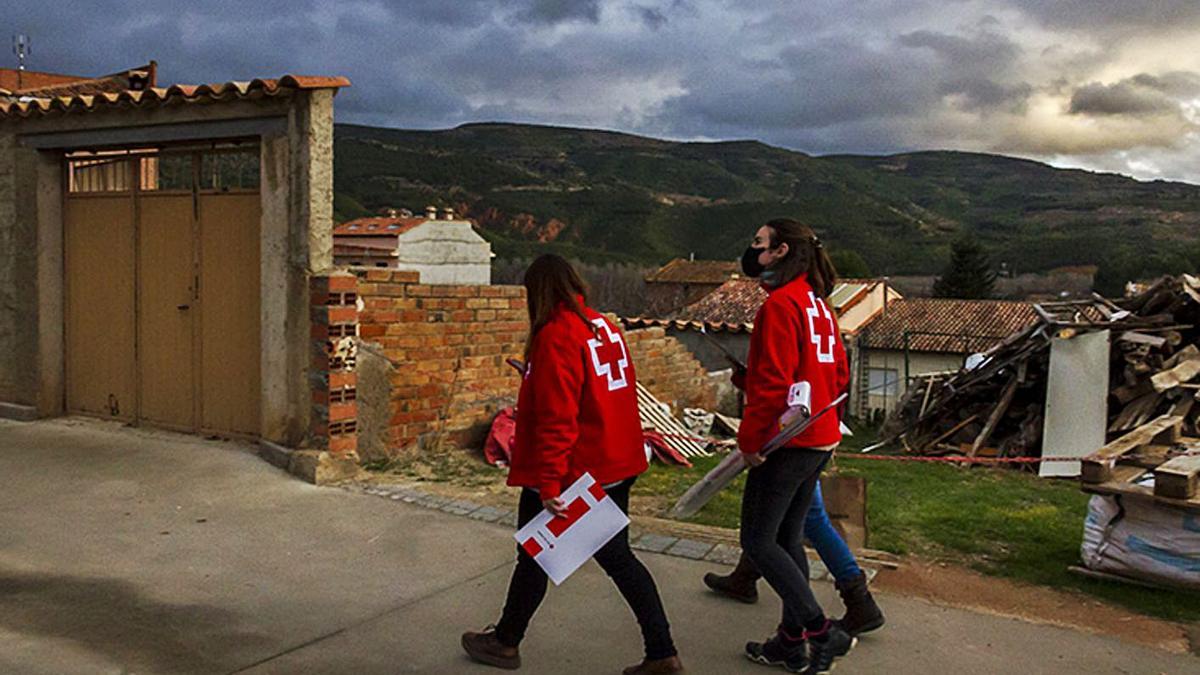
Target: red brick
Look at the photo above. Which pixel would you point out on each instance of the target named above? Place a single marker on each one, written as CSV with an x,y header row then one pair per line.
x,y
406,277
343,445
339,412
369,331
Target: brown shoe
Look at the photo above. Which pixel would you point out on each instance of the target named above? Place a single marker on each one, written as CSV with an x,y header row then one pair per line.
x,y
741,584
670,664
486,648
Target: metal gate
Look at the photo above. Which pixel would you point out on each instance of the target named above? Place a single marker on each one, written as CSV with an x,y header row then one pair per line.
x,y
162,287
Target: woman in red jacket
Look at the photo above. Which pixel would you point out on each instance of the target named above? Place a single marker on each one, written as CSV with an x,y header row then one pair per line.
x,y
795,340
576,413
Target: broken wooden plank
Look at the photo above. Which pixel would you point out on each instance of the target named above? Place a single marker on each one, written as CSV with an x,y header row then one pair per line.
x,y
1098,466
994,419
1177,477
1186,354
1125,420
1128,392
1135,337
953,430
1187,368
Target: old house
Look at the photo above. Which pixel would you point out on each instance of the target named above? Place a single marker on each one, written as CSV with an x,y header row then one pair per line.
x,y
682,282
917,336
160,244
443,250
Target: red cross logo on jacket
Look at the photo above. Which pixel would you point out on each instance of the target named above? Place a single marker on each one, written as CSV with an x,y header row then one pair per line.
x,y
609,357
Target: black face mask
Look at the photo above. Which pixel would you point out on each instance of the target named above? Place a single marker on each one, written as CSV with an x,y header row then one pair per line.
x,y
750,264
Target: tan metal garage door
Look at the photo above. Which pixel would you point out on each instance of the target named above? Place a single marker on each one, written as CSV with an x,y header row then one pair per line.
x,y
163,288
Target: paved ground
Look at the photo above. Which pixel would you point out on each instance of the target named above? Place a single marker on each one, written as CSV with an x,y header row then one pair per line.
x,y
127,551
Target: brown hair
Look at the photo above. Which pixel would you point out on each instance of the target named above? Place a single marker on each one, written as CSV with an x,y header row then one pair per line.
x,y
805,255
549,282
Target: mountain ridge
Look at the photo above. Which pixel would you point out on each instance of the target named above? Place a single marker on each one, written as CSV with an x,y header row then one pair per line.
x,y
603,195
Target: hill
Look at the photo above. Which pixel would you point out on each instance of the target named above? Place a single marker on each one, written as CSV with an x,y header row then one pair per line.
x,y
606,196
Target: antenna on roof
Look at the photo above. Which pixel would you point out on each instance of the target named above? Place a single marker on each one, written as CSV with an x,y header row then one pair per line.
x,y
21,47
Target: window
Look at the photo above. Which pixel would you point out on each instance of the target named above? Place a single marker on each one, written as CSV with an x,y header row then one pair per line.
x,y
229,170
883,381
167,173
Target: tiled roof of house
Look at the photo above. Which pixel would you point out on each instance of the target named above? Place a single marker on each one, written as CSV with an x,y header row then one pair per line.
x,y
733,306
378,226
20,106
683,271
947,325
12,79
133,79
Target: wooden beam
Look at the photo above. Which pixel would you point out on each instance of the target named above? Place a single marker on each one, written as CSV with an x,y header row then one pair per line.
x,y
953,430
997,413
1173,377
1097,467
1177,478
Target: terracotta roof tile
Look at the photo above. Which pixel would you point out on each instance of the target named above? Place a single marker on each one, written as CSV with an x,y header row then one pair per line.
x,y
734,304
378,226
946,325
14,106
682,271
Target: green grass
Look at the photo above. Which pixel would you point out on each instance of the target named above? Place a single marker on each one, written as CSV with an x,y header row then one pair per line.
x,y
1000,522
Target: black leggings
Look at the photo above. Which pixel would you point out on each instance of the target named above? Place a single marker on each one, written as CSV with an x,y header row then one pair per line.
x,y
774,506
633,580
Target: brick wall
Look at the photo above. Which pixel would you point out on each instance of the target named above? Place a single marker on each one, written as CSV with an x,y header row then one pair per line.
x,y
666,367
332,377
447,347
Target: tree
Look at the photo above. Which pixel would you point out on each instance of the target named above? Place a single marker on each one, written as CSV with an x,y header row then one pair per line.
x,y
969,274
849,264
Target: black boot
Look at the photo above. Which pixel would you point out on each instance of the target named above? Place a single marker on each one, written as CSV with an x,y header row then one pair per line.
x,y
740,584
862,614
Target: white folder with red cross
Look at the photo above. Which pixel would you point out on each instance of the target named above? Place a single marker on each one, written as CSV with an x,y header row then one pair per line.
x,y
561,545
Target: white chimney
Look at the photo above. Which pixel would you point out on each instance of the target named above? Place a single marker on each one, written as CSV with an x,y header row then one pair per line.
x,y
447,213
431,212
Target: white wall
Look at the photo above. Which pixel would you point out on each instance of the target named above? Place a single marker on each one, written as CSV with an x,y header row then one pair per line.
x,y
446,252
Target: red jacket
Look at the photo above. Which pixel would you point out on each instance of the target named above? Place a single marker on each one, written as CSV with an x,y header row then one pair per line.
x,y
577,411
795,339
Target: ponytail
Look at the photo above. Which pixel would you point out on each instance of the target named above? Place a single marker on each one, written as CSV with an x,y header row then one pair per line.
x,y
806,255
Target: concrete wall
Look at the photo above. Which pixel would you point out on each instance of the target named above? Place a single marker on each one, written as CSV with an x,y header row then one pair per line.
x,y
446,252
18,272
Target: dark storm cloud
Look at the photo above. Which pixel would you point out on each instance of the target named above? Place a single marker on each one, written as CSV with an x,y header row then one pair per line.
x,y
555,11
1142,94
819,75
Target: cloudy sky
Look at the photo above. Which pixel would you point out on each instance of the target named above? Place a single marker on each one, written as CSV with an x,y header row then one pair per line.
x,y
1103,84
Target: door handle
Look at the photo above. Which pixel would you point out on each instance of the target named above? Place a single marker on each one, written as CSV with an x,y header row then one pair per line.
x,y
183,307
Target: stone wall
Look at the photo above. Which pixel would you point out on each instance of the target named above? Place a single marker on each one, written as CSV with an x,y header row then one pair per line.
x,y
444,349
666,368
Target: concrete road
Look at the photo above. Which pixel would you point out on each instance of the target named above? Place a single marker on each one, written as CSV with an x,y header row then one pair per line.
x,y
131,551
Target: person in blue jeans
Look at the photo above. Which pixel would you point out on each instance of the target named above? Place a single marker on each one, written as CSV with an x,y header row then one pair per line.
x,y
862,614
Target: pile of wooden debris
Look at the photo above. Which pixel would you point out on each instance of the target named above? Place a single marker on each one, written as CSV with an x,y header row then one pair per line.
x,y
996,408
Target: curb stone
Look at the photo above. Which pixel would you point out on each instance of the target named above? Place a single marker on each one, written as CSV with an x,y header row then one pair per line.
x,y
692,549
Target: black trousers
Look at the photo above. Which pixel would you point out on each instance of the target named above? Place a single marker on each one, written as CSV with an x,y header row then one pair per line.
x,y
633,580
774,507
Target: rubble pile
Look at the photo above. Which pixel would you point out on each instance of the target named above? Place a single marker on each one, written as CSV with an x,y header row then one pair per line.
x,y
995,406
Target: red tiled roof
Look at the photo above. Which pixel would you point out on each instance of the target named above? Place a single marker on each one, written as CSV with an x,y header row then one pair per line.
x,y
180,93
142,77
734,304
682,271
947,325
12,79
378,226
